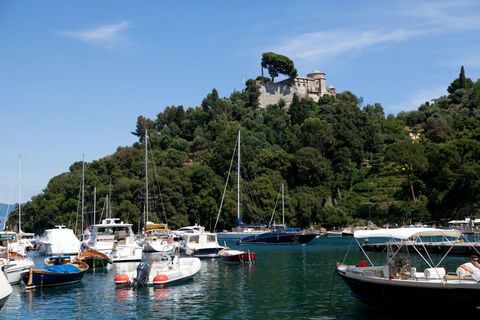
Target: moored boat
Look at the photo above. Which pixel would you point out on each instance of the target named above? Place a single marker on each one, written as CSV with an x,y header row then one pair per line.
x,y
95,259
232,255
5,289
169,270
200,244
115,239
59,241
398,283
55,275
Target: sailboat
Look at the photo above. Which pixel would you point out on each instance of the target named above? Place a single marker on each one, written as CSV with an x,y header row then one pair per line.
x,y
280,234
112,238
242,230
157,237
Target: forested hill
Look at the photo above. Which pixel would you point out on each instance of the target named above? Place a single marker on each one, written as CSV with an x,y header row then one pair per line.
x,y
341,163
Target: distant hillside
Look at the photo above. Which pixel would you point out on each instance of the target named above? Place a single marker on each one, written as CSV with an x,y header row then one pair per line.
x,y
5,209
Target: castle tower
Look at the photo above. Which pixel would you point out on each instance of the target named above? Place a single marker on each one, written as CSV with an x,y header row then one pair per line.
x,y
320,81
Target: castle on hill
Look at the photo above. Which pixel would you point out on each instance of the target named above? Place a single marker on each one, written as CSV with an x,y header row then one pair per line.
x,y
312,86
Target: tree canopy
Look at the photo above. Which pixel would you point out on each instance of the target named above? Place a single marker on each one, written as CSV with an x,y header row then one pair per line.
x,y
341,163
277,64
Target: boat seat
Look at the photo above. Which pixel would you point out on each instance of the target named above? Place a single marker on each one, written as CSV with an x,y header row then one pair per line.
x,y
454,276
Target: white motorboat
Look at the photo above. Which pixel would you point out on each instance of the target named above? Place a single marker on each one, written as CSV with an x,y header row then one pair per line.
x,y
13,269
399,283
170,269
10,239
5,289
115,239
12,263
200,244
59,241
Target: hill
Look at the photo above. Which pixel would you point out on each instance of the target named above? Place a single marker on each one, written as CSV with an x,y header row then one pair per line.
x,y
342,162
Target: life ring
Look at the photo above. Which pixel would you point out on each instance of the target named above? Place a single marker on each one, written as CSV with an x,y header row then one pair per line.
x,y
295,238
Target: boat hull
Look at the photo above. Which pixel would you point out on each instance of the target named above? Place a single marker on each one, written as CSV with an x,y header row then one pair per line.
x,y
164,273
279,238
5,289
204,253
39,278
415,295
245,256
14,272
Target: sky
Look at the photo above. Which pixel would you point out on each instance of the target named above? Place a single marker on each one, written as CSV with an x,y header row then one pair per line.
x,y
75,75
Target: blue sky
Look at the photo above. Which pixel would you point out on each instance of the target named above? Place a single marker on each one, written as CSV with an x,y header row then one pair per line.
x,y
76,74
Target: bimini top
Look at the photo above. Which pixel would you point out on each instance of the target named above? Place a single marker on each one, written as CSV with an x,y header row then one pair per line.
x,y
407,233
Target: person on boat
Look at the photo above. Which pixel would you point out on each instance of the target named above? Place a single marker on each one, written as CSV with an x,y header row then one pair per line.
x,y
472,267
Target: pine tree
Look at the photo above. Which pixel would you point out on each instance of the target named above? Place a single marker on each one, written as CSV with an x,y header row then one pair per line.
x,y
462,78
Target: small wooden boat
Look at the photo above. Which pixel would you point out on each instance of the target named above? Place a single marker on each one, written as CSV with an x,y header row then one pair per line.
x,y
95,259
55,275
170,269
230,255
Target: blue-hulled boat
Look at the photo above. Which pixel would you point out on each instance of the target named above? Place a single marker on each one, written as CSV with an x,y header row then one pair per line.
x,y
55,275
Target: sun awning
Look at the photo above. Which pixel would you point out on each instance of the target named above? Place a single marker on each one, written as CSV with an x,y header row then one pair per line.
x,y
406,233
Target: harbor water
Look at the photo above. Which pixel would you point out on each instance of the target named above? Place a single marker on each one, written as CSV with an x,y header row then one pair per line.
x,y
286,282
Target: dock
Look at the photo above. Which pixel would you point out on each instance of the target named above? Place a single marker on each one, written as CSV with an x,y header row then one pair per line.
x,y
459,248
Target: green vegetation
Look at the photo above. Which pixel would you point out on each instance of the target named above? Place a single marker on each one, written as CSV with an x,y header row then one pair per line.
x,y
277,64
341,162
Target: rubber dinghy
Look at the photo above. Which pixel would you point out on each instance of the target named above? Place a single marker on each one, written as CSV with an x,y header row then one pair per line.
x,y
170,269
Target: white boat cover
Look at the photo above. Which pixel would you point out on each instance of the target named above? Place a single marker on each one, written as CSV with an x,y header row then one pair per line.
x,y
407,233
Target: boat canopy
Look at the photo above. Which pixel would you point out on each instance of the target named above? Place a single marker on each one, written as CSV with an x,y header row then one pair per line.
x,y
407,233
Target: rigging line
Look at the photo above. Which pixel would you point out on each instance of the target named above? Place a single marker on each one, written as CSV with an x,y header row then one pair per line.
x,y
104,207
157,180
273,213
249,178
78,206
225,188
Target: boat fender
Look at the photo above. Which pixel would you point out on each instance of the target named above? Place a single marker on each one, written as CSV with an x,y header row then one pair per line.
x,y
121,279
362,264
160,278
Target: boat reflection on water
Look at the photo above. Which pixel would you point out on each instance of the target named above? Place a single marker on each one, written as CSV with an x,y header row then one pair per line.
x,y
123,295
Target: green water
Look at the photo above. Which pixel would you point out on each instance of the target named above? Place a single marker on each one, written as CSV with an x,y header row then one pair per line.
x,y
286,282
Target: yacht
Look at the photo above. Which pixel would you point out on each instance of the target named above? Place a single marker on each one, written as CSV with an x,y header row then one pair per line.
x,y
200,244
5,289
115,239
59,241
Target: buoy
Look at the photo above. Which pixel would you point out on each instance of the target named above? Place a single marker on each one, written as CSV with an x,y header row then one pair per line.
x,y
362,263
160,278
122,279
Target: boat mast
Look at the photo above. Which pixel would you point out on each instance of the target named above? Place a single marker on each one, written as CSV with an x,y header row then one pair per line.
x,y
146,176
283,207
94,204
238,182
83,191
109,206
19,195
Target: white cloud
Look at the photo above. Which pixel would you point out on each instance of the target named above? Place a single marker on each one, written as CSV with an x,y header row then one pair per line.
x,y
406,21
106,35
414,100
325,44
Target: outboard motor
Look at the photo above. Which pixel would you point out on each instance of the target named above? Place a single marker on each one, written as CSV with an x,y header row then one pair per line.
x,y
143,274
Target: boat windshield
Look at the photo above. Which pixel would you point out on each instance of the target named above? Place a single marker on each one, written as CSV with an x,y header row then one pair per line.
x,y
113,230
194,239
211,238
